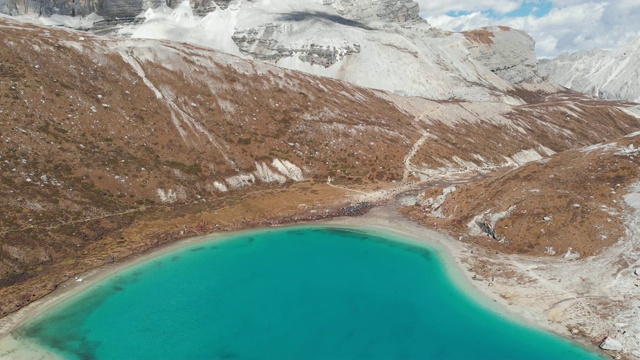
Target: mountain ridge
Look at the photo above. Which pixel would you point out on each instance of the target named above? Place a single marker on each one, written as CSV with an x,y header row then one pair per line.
x,y
605,74
388,47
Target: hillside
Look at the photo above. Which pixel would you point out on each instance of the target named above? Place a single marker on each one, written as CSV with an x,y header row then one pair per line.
x,y
110,147
604,74
568,204
575,215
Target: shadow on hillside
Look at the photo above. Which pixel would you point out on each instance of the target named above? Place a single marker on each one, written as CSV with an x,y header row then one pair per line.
x,y
299,16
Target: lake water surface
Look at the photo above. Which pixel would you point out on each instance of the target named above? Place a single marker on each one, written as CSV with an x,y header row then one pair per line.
x,y
291,293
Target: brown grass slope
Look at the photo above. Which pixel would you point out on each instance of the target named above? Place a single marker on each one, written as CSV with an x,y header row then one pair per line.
x,y
571,200
92,128
469,136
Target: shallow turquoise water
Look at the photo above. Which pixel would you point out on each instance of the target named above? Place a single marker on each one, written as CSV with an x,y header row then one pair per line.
x,y
295,293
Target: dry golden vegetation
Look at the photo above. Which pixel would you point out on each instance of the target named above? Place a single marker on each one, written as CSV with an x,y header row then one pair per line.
x,y
481,137
570,200
482,36
92,129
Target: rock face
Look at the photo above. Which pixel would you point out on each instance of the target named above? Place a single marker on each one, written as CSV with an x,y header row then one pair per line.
x,y
604,74
386,10
124,8
506,52
260,44
109,9
106,8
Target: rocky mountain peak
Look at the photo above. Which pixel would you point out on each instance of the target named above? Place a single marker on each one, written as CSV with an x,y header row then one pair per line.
x,y
377,44
386,10
506,52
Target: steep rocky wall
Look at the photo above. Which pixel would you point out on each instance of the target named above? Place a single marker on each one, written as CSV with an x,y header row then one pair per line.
x,y
376,44
387,10
508,53
109,9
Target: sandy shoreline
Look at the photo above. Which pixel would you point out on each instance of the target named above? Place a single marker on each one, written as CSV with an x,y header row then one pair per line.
x,y
453,252
18,348
381,220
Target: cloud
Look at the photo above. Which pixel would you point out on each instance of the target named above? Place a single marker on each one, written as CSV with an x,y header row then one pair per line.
x,y
569,25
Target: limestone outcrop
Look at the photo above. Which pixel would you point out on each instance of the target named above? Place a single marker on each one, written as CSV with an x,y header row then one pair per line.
x,y
109,9
106,8
386,10
611,344
506,52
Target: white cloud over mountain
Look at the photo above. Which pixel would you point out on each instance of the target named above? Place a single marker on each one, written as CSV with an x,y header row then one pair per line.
x,y
556,25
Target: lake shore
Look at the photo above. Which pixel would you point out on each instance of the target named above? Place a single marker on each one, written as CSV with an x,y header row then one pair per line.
x,y
19,348
383,220
454,253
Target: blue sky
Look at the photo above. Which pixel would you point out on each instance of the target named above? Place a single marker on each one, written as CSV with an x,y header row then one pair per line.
x,y
535,8
556,25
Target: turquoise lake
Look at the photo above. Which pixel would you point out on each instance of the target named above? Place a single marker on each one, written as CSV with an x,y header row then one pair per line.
x,y
291,293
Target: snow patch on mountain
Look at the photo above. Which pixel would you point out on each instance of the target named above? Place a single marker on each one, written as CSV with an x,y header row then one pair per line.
x,y
170,196
633,197
525,156
220,186
632,110
285,170
214,30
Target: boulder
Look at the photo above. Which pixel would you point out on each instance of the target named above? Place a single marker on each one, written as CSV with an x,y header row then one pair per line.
x,y
611,344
